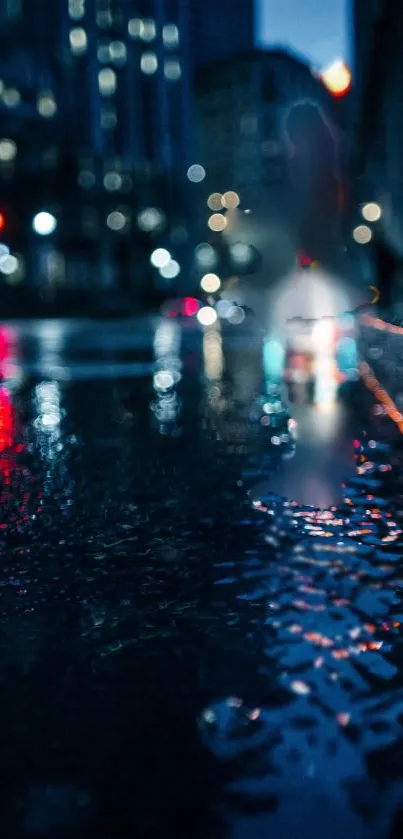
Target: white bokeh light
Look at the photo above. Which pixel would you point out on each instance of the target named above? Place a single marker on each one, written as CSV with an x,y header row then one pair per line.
x,y
207,316
44,223
160,257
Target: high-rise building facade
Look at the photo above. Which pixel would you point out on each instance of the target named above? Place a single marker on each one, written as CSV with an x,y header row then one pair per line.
x,y
95,103
220,30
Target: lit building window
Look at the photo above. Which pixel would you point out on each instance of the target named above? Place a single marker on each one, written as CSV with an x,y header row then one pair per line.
x,y
149,30
76,9
135,27
104,18
103,52
170,35
118,52
11,97
107,81
46,104
108,119
172,70
112,181
78,40
8,150
149,63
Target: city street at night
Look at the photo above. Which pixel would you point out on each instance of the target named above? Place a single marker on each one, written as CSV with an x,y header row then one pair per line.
x,y
185,653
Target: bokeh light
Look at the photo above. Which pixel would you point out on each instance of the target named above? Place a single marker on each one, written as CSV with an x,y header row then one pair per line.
x,y
170,270
44,223
150,219
170,35
337,78
172,70
215,201
196,173
362,234
160,257
210,283
8,150
78,40
371,211
231,200
107,81
116,220
206,256
217,222
46,105
207,316
149,63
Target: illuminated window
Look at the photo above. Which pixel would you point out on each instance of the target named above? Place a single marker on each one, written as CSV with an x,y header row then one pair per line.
x,y
78,40
76,9
8,150
46,104
107,81
103,52
118,52
149,30
172,70
149,63
170,35
11,97
135,27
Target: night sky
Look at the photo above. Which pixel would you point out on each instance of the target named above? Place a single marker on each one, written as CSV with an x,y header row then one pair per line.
x,y
316,29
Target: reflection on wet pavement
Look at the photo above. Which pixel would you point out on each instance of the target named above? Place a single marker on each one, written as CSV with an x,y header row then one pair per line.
x,y
183,653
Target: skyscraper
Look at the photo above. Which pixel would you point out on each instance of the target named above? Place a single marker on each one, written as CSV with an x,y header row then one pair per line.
x,y
220,29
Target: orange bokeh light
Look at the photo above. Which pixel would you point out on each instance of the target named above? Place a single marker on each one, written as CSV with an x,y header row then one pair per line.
x,y
337,78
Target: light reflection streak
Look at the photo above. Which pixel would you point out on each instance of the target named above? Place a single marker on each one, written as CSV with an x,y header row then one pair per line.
x,y
166,405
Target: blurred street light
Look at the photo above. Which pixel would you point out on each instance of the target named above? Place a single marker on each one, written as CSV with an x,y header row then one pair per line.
x,y
44,223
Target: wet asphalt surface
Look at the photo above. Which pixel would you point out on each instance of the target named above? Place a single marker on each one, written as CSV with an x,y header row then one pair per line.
x,y
180,656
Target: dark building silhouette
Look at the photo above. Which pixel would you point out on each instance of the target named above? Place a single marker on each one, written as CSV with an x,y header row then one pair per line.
x,y
220,30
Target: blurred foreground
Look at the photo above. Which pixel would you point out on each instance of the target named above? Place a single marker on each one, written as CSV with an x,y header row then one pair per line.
x,y
183,653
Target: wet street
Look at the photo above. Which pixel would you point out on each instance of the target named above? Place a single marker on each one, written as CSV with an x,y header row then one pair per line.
x,y
184,653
